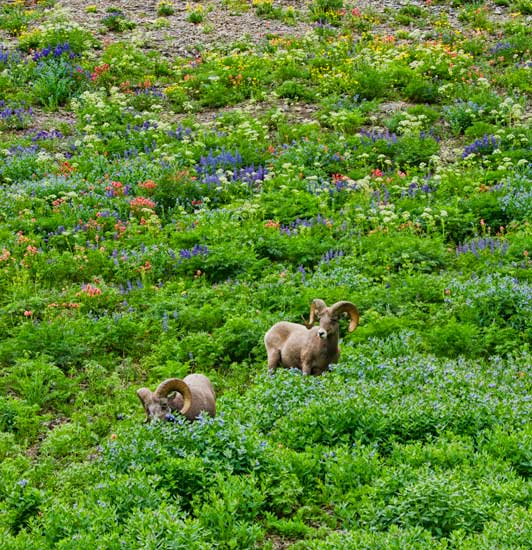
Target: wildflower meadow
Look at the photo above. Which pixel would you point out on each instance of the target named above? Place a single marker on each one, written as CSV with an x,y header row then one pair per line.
x,y
177,177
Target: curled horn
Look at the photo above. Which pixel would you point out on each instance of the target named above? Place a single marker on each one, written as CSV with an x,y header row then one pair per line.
x,y
350,309
316,307
175,384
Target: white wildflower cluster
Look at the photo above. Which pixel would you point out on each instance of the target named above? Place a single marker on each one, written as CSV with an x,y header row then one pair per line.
x,y
412,124
511,111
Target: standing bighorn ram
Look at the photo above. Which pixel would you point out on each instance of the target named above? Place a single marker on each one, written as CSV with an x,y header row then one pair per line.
x,y
311,349
193,394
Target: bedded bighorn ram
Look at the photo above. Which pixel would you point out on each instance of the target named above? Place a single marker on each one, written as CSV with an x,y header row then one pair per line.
x,y
193,394
311,349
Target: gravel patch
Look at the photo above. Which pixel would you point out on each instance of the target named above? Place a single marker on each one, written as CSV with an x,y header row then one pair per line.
x,y
175,35
225,23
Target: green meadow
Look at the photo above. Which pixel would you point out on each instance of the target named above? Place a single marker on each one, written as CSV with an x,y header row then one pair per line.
x,y
161,207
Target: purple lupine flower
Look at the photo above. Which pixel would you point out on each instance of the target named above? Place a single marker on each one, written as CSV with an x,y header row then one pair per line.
x,y
500,46
197,250
180,133
482,146
481,244
45,135
331,255
56,52
374,135
14,114
225,159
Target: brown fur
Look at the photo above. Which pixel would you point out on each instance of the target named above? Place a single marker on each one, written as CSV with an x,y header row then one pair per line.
x,y
202,398
308,348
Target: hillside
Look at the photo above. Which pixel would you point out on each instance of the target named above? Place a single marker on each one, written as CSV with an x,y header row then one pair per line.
x,y
176,178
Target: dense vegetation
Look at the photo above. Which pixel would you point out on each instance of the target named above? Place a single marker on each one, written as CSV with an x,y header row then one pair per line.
x,y
158,213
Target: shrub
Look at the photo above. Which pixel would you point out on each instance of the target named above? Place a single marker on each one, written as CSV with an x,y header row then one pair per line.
x,y
516,199
67,349
57,81
21,506
124,62
14,116
413,150
326,11
40,383
165,8
453,339
196,15
488,207
14,18
117,21
229,510
421,91
462,115
439,503
75,36
292,89
371,83
19,418
492,299
523,6
414,538
479,129
68,440
513,446
240,338
8,446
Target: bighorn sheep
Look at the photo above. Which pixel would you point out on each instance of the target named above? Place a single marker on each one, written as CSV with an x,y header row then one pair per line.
x,y
311,349
193,394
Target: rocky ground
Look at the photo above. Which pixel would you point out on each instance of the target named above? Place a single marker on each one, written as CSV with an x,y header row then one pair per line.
x,y
225,23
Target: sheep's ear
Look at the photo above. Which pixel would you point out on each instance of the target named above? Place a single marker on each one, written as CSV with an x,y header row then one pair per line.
x,y
145,395
317,307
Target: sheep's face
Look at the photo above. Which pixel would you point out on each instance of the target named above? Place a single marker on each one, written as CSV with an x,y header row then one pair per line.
x,y
329,317
328,325
158,409
155,407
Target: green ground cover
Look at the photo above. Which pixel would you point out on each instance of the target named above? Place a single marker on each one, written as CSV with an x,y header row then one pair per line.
x,y
159,212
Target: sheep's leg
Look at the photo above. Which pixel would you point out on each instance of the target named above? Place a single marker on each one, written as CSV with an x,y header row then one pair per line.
x,y
307,358
274,357
306,367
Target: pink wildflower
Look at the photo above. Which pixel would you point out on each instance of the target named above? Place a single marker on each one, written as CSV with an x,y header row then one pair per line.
x,y
90,290
138,203
98,71
148,184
